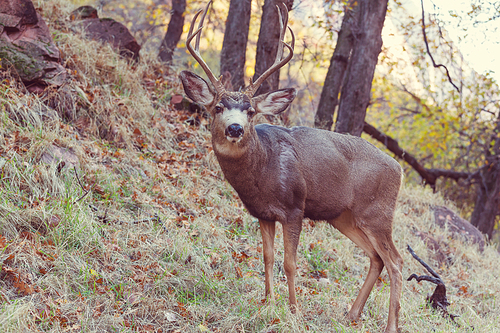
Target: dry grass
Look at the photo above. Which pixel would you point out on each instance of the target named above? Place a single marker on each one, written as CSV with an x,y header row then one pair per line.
x,y
161,242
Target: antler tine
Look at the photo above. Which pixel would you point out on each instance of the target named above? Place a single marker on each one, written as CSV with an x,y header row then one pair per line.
x,y
279,53
195,52
200,26
278,62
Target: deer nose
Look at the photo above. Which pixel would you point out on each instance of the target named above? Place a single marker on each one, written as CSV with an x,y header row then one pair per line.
x,y
234,130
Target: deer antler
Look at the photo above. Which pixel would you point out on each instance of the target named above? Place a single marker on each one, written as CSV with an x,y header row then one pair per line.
x,y
196,51
278,62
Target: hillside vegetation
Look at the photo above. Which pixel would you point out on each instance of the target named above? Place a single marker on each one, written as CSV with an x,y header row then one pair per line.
x,y
139,232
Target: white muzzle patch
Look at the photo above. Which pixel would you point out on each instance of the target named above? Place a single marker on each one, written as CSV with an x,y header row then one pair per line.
x,y
231,117
233,140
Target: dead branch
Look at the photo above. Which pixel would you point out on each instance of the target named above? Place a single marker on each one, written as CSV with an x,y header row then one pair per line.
x,y
104,219
437,300
154,218
79,182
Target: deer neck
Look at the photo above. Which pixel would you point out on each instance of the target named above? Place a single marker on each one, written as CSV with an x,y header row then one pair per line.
x,y
240,161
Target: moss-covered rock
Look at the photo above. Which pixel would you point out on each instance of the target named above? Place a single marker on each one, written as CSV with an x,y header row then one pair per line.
x,y
27,46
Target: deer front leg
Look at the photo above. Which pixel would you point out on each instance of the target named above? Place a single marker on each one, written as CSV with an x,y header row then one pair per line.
x,y
291,235
268,230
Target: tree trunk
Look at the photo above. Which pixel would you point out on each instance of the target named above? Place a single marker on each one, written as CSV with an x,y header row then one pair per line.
x,y
338,64
488,199
486,208
232,59
355,94
267,45
174,31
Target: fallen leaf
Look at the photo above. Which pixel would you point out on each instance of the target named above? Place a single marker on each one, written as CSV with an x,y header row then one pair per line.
x,y
20,281
239,274
182,310
219,276
3,242
274,321
27,235
240,257
176,99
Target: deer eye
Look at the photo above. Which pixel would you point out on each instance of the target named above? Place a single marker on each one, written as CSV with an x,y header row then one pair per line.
x,y
250,112
218,109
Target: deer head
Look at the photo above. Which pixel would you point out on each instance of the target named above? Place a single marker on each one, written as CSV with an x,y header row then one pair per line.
x,y
233,112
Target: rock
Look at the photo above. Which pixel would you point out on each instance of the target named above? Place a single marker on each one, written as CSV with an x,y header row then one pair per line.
x,y
26,44
106,30
83,12
57,155
458,226
17,13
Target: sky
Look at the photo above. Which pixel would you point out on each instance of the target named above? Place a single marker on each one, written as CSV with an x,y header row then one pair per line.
x,y
480,44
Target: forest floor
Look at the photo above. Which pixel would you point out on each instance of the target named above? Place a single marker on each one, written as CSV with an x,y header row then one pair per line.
x,y
137,231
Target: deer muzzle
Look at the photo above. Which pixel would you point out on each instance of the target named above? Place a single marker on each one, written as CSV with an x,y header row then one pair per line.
x,y
234,131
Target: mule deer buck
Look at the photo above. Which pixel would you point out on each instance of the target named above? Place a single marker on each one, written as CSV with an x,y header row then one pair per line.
x,y
286,175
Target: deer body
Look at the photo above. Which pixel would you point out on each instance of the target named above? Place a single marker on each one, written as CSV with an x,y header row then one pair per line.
x,y
318,172
286,175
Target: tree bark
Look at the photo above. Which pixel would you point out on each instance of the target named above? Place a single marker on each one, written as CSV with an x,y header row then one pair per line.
x,y
267,45
174,31
355,93
488,199
338,63
232,59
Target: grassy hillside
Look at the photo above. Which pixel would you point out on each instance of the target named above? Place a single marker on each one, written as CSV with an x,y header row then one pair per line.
x,y
139,232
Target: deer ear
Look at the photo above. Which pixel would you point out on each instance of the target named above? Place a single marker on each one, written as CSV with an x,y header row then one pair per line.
x,y
196,88
274,102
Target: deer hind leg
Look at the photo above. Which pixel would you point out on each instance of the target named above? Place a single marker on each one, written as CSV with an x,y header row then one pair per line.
x,y
268,230
291,235
383,244
346,225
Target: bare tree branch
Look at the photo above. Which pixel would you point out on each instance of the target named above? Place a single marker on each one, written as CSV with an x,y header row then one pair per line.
x,y
428,175
429,51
